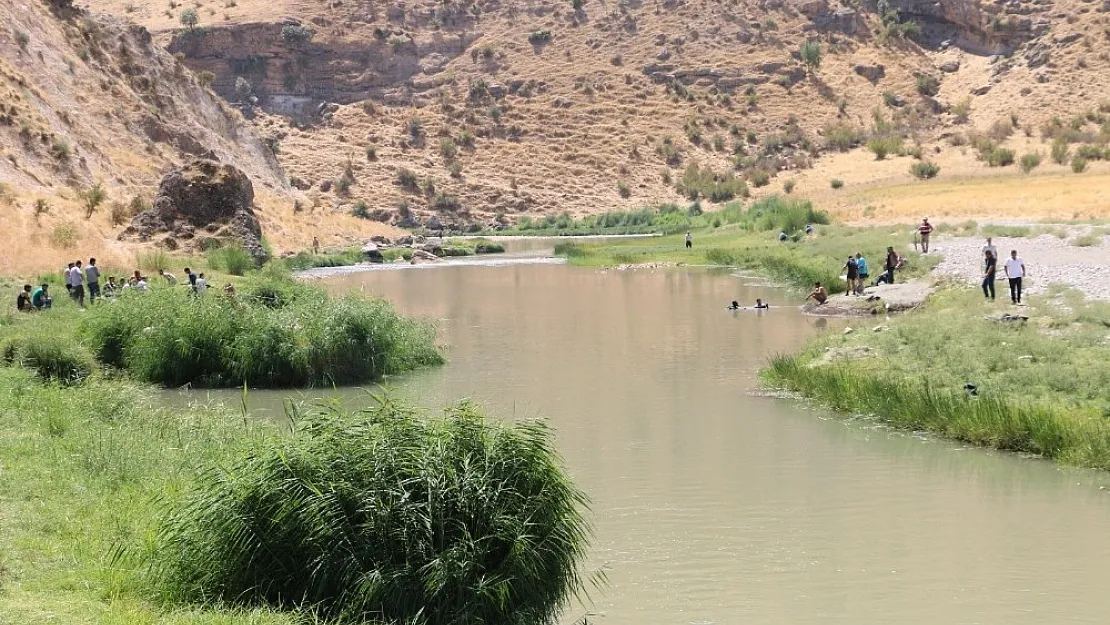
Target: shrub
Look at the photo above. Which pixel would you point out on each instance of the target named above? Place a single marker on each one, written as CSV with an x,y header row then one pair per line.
x,y
1078,164
59,149
189,18
928,85
455,168
1000,157
669,151
445,201
119,213
379,515
1029,162
759,178
465,138
371,152
788,186
624,190
488,247
92,198
205,78
447,148
881,146
1060,151
64,235
406,178
1090,152
810,53
243,89
297,34
415,127
1086,240
842,137
704,182
153,260
274,333
836,183
924,170
360,210
962,110
52,357
538,37
783,214
231,258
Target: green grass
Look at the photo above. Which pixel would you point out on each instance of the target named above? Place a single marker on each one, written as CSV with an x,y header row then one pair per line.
x,y
274,333
379,514
665,218
798,262
308,260
1042,385
231,258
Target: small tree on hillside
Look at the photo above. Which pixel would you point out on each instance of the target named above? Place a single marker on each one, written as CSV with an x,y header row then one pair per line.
x,y
242,89
189,18
810,52
93,197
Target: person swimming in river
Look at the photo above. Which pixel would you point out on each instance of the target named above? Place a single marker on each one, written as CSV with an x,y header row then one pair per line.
x,y
759,304
735,305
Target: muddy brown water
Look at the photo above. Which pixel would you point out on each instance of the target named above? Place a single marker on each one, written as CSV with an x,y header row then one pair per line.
x,y
714,505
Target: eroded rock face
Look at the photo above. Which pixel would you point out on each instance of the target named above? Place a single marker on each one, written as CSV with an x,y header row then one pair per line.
x,y
202,201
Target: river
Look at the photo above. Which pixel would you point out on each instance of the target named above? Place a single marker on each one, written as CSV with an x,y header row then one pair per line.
x,y
713,504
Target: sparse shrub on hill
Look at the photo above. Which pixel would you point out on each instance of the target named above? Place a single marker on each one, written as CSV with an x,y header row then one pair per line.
x,y
297,34
381,515
759,178
415,127
928,85
539,37
999,157
670,152
1029,162
205,78
189,18
1078,164
836,183
924,170
842,137
882,146
93,197
624,190
962,110
1090,152
704,182
788,186
406,178
1060,151
810,53
445,201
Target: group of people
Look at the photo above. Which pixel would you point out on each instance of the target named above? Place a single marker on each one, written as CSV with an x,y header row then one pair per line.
x,y
759,305
1014,267
80,279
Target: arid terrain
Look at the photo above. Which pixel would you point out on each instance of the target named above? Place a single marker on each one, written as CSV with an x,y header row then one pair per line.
x,y
477,111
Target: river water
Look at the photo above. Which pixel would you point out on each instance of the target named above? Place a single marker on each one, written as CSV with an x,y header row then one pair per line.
x,y
715,505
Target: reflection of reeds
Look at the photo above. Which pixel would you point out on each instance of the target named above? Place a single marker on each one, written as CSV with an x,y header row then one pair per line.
x,y
379,515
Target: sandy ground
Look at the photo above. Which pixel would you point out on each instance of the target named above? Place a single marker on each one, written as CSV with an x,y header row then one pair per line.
x,y
1048,260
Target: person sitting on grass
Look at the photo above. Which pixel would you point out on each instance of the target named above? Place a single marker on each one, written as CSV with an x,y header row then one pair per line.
x,y
111,288
760,305
23,300
168,277
819,294
40,299
783,237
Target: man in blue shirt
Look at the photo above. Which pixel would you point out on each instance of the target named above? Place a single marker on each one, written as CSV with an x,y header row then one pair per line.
x,y
861,272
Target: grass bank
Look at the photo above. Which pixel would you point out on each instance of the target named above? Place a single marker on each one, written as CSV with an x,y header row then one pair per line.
x,y
99,483
748,238
273,332
1041,386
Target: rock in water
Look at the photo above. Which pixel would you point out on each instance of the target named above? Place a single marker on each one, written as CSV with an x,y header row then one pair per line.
x,y
204,195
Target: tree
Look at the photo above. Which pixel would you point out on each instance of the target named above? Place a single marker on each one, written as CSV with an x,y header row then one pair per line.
x,y
242,89
189,18
93,197
810,52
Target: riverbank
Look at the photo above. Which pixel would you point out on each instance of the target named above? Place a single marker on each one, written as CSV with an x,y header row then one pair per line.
x,y
1027,379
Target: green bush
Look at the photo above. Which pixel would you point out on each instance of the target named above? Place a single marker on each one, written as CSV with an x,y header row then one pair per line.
x,y
842,137
51,356
1000,157
882,146
928,85
783,214
1078,164
381,516
836,183
810,53
232,258
275,333
704,182
483,246
1060,151
924,170
1029,162
153,260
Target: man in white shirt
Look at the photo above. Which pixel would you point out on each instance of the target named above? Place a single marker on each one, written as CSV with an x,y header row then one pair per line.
x,y
202,284
1015,271
77,282
169,277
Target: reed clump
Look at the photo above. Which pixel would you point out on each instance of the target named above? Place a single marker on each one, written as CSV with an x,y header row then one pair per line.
x,y
273,333
379,515
52,356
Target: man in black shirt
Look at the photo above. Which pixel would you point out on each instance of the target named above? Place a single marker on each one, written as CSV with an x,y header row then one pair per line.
x,y
988,275
23,301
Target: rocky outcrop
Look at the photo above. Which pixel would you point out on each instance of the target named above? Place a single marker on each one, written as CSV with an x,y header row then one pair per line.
x,y
981,26
205,203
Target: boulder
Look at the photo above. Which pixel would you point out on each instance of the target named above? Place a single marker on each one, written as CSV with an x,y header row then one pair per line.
x,y
202,195
420,256
371,253
873,73
380,240
981,90
950,67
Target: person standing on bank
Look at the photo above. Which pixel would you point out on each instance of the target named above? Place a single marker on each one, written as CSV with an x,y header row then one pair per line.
x,y
92,276
852,274
1015,271
891,264
689,240
925,229
77,282
862,272
988,275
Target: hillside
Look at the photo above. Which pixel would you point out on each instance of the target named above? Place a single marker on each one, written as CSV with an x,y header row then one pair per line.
x,y
477,111
94,101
